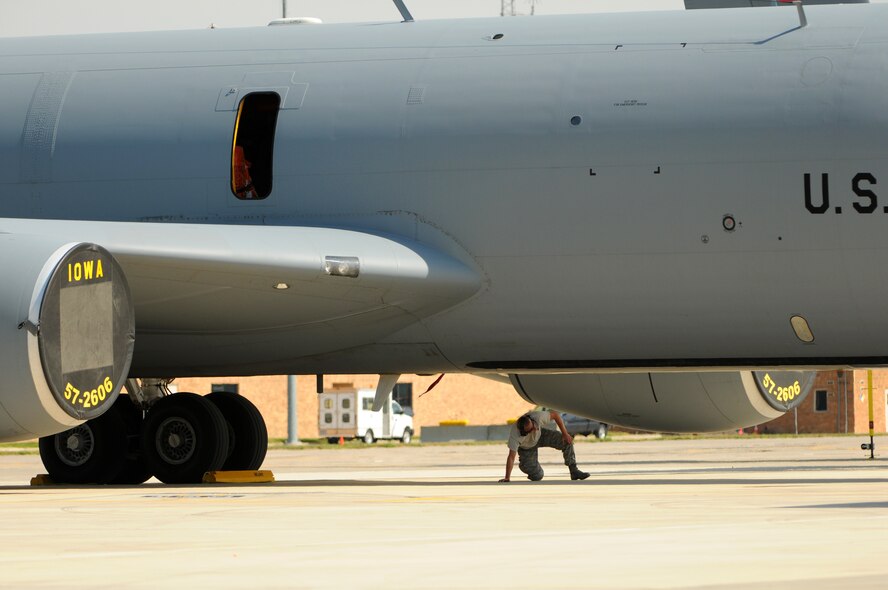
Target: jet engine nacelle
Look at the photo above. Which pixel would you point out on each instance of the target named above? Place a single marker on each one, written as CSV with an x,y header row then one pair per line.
x,y
66,331
671,402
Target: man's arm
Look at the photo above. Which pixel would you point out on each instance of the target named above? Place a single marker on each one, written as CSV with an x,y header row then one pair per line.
x,y
510,462
565,436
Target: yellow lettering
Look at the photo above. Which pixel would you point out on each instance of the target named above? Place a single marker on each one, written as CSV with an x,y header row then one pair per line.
x,y
99,273
88,270
69,272
78,272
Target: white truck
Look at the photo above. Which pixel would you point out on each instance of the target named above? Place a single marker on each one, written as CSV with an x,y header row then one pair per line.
x,y
348,415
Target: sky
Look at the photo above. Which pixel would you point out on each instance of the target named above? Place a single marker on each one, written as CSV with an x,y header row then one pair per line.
x,y
61,17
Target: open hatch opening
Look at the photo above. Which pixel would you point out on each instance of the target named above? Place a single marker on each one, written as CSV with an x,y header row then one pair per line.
x,y
252,151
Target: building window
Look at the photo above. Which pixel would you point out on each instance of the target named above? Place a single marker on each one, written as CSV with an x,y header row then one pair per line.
x,y
820,400
231,387
403,394
252,148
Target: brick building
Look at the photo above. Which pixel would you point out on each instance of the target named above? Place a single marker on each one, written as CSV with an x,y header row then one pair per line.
x,y
837,399
456,397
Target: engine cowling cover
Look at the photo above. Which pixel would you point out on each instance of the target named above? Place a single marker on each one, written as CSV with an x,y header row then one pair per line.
x,y
671,402
67,332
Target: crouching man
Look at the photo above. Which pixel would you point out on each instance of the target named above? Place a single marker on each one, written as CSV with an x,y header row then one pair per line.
x,y
528,435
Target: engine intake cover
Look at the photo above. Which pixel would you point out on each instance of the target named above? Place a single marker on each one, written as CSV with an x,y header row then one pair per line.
x,y
86,324
67,329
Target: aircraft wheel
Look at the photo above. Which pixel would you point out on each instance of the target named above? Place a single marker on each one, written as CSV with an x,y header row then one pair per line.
x,y
368,437
248,434
135,469
91,453
185,436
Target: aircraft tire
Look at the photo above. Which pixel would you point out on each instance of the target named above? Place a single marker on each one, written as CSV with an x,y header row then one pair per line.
x,y
135,469
184,436
248,434
91,453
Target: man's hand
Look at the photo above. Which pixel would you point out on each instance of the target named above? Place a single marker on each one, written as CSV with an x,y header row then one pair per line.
x,y
565,436
510,461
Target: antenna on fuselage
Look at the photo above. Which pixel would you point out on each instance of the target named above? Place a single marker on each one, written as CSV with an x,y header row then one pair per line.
x,y
402,8
803,20
507,7
288,20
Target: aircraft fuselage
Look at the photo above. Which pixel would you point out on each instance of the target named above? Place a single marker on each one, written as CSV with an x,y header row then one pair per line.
x,y
648,190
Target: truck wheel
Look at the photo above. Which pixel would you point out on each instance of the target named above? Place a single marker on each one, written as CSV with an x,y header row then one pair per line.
x,y
601,433
368,437
407,436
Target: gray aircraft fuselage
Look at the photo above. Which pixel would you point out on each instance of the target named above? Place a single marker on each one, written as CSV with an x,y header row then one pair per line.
x,y
645,190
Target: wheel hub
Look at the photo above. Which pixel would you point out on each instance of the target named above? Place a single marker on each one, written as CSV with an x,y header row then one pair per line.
x,y
176,440
75,447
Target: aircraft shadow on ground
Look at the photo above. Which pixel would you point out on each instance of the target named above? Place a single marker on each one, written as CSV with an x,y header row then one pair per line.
x,y
868,505
593,460
557,480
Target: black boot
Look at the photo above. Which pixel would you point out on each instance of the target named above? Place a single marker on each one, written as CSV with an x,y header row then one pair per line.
x,y
575,473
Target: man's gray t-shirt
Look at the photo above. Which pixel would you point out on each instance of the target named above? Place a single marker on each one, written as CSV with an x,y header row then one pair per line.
x,y
530,440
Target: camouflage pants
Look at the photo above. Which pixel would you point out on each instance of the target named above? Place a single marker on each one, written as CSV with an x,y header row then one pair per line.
x,y
527,458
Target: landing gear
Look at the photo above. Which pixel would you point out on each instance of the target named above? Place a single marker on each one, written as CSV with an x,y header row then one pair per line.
x,y
247,433
184,436
98,451
135,470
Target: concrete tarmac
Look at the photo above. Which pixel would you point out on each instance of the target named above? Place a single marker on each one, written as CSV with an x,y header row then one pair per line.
x,y
808,513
